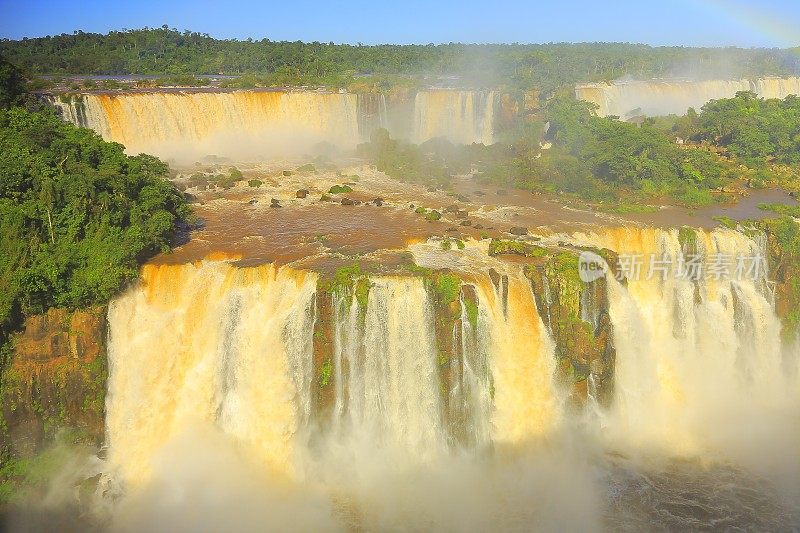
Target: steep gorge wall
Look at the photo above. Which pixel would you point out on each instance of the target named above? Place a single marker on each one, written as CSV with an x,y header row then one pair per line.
x,y
56,379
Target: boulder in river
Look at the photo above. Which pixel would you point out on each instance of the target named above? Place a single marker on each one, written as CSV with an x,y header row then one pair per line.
x,y
518,230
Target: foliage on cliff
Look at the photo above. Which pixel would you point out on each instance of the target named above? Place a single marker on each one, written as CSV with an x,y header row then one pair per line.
x,y
77,215
547,66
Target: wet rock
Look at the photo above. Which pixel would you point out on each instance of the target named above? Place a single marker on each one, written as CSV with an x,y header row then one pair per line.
x,y
461,214
518,230
478,226
430,188
252,201
462,198
480,193
451,208
302,193
378,201
275,203
494,275
452,228
347,201
466,222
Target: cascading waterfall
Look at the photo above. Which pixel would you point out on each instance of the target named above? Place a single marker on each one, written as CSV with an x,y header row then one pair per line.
x,y
385,363
463,117
627,99
209,344
689,351
521,354
234,348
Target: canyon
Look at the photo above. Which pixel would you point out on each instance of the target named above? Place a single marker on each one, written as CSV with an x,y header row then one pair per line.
x,y
309,362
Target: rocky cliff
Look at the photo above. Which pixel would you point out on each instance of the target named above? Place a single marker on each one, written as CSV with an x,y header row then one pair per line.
x,y
55,379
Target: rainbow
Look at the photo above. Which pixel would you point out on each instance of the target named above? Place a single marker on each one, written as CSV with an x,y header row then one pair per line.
x,y
758,20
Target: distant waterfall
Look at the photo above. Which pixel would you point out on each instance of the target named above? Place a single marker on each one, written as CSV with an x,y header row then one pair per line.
x,y
463,117
628,99
245,124
261,124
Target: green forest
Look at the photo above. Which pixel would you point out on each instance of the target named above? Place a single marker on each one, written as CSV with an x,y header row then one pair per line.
x,y
166,51
77,216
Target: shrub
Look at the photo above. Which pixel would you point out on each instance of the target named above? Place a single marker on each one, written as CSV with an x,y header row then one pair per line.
x,y
338,189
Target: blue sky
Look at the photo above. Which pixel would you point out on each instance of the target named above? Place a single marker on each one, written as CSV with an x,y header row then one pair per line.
x,y
658,22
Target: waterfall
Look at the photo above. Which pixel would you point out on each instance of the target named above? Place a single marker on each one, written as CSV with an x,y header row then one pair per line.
x,y
628,99
463,117
690,352
245,124
372,114
522,362
343,399
387,382
258,124
209,344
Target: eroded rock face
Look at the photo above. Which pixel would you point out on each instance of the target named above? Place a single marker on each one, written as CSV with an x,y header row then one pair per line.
x,y
576,314
56,378
784,270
